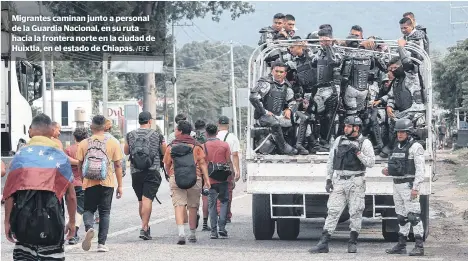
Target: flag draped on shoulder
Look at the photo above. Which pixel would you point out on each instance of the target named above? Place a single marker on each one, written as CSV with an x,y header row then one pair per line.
x,y
39,166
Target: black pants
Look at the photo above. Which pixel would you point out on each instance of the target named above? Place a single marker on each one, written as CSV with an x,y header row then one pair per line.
x,y
100,198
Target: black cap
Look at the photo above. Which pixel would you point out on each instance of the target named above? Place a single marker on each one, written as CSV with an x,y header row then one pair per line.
x,y
223,120
144,117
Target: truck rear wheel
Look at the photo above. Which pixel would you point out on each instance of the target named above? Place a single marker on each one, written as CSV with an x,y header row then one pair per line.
x,y
390,230
263,225
288,228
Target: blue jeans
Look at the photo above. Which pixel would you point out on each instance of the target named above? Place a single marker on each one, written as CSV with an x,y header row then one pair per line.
x,y
218,191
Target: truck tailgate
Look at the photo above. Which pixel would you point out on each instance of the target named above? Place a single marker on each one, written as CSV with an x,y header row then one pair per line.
x,y
278,174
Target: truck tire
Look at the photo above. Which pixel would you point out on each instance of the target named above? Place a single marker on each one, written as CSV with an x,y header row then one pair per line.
x,y
288,228
390,236
390,227
263,225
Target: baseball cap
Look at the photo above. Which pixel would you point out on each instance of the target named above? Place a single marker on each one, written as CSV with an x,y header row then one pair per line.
x,y
144,117
223,120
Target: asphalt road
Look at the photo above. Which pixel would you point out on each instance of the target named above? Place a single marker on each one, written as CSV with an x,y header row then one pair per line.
x,y
124,243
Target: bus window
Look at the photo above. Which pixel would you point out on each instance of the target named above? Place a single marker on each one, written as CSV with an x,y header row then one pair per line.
x,y
29,80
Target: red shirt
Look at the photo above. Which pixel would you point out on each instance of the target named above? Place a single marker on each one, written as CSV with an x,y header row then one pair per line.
x,y
71,151
218,152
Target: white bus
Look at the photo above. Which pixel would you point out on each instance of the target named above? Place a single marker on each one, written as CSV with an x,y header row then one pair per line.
x,y
21,84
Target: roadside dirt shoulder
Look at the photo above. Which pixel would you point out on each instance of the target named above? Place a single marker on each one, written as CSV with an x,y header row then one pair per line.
x,y
449,204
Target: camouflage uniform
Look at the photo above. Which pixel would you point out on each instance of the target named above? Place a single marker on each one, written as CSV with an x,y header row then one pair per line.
x,y
349,191
410,178
349,158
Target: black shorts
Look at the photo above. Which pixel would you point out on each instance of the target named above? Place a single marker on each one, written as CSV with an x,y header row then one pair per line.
x,y
146,183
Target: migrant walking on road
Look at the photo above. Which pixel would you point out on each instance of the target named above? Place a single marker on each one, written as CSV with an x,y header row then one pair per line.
x,y
39,234
185,161
143,146
218,158
79,134
96,155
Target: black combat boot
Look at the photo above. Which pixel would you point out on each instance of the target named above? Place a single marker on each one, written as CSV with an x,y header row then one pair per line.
x,y
400,247
322,245
301,133
352,243
378,139
418,249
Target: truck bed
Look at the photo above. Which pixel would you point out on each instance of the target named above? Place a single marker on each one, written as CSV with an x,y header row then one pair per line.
x,y
306,174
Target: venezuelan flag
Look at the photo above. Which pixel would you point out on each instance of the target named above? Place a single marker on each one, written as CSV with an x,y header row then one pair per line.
x,y
39,167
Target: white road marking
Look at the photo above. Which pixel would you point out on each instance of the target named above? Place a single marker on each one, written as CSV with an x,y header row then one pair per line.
x,y
137,227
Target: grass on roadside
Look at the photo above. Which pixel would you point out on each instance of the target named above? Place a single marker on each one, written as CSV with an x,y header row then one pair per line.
x,y
461,175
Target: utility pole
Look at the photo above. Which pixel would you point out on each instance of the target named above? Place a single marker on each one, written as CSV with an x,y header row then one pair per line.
x,y
233,92
52,87
174,66
44,83
174,72
149,98
105,91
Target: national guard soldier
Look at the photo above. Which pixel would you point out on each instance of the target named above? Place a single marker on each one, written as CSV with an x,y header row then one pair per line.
x,y
268,98
406,166
349,157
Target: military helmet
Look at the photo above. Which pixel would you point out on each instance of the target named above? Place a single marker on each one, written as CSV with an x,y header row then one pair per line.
x,y
353,120
403,125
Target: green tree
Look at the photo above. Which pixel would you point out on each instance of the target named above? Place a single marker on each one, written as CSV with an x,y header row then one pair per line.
x,y
450,76
204,80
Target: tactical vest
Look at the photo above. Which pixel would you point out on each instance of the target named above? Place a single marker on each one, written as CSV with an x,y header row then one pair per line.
x,y
403,96
399,165
360,73
306,74
345,158
324,70
275,100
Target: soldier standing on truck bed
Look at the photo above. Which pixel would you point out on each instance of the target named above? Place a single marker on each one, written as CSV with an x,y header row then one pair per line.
x,y
349,157
406,166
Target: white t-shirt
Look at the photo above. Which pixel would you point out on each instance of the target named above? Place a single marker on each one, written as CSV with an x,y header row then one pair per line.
x,y
232,140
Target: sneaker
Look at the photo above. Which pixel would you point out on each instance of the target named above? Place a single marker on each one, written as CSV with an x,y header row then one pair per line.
x,y
206,228
214,235
74,240
181,240
192,239
223,233
145,235
102,248
86,244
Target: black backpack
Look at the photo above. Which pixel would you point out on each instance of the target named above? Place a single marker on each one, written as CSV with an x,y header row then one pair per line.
x,y
140,155
185,168
37,218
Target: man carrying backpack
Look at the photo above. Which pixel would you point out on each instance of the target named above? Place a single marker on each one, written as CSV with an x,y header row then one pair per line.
x,y
234,146
185,161
35,219
96,156
218,157
143,146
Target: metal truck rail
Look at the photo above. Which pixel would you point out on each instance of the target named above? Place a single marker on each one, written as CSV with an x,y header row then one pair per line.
x,y
287,189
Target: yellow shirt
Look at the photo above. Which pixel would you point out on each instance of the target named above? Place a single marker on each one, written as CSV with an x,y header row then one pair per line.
x,y
114,154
